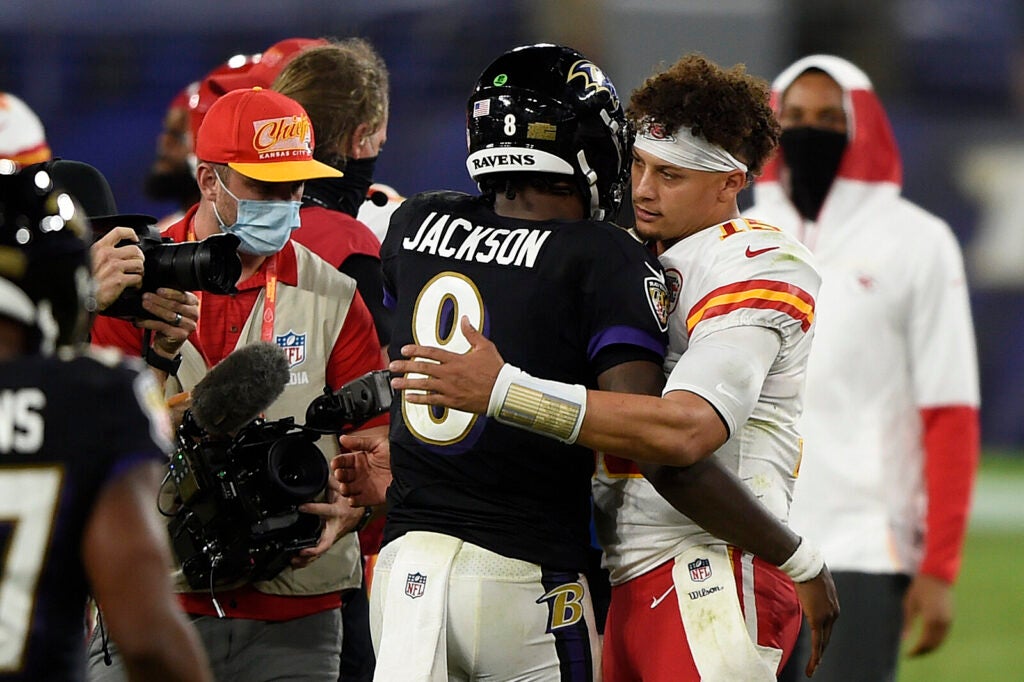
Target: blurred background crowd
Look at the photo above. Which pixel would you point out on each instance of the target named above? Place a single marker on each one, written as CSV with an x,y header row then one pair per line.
x,y
101,74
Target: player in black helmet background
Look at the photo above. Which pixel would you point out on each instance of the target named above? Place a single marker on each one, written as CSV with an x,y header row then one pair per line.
x,y
78,479
488,526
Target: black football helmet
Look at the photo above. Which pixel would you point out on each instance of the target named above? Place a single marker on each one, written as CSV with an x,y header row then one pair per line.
x,y
548,109
45,276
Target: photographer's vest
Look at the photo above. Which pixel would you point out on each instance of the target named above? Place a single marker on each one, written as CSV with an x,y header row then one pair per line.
x,y
308,318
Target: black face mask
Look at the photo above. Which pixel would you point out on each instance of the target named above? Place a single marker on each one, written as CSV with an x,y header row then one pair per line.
x,y
177,185
345,194
813,157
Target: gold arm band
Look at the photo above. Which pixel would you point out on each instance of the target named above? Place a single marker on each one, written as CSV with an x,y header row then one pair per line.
x,y
540,412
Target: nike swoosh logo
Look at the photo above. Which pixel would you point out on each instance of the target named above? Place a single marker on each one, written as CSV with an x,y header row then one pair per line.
x,y
757,252
721,388
657,600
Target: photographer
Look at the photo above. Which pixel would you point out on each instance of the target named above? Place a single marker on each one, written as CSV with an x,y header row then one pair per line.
x,y
251,186
115,267
117,259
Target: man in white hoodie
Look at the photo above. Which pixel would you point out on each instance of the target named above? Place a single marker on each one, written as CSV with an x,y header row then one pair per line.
x,y
890,419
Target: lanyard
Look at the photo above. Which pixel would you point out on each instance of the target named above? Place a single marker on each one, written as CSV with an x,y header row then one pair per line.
x,y
191,237
269,297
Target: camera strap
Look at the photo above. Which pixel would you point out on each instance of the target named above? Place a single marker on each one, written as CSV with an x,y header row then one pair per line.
x,y
154,359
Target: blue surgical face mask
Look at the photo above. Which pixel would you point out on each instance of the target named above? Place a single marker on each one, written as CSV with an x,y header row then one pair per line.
x,y
263,227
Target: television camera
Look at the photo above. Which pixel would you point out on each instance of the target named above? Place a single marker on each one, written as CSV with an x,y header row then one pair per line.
x,y
236,516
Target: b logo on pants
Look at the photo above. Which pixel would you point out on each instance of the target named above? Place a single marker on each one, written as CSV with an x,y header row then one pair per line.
x,y
565,605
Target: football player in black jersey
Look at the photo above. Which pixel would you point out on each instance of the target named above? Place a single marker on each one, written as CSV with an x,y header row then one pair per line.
x,y
488,525
82,438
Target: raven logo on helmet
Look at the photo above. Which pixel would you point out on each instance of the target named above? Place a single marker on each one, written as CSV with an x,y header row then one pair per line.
x,y
593,79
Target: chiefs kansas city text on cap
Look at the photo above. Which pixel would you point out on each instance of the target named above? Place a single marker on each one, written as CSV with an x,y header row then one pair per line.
x,y
263,135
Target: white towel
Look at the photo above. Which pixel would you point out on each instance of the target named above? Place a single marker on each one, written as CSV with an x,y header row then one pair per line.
x,y
721,647
413,647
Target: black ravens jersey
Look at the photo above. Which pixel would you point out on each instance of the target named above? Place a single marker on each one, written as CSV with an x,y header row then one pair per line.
x,y
563,300
68,425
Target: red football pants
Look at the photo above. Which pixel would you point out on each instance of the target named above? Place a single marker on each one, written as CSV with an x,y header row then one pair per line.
x,y
645,640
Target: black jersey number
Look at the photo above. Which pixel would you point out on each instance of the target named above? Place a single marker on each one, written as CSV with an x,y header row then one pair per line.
x,y
445,300
28,507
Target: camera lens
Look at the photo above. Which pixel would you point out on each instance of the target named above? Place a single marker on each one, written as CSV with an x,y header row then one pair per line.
x,y
210,265
296,469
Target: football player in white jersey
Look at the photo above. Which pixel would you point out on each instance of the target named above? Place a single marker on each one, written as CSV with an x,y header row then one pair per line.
x,y
685,605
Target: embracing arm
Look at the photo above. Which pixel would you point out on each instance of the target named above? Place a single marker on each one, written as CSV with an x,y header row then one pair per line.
x,y
633,424
714,498
625,419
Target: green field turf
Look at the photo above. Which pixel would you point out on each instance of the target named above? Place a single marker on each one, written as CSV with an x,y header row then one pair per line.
x,y
987,640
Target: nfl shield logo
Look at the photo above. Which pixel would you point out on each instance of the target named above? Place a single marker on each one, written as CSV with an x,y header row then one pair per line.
x,y
415,585
700,570
294,347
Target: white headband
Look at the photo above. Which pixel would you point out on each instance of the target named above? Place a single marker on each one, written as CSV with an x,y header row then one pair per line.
x,y
686,150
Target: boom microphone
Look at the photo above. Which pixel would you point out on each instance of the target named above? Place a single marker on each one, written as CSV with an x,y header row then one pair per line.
x,y
239,388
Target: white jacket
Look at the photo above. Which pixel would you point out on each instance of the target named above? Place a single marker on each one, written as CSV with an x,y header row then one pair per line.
x,y
890,419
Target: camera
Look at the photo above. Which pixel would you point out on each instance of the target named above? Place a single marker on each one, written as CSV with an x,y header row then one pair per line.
x,y
209,265
344,410
236,515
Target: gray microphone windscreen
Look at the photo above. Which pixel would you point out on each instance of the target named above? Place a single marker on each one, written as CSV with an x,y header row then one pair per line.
x,y
239,388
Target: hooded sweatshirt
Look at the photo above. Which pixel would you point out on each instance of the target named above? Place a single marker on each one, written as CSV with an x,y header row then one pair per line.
x,y
890,419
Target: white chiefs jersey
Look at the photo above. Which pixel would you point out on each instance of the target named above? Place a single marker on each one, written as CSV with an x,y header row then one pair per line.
x,y
739,273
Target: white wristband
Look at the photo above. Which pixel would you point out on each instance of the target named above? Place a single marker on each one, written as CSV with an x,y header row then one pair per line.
x,y
805,563
548,408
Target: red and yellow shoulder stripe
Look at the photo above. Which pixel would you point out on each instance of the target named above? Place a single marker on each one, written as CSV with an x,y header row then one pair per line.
x,y
755,293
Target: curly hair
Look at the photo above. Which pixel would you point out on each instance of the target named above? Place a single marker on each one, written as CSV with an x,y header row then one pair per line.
x,y
729,108
340,85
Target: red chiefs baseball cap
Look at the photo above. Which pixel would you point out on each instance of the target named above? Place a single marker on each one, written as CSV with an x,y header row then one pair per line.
x,y
265,66
203,93
263,135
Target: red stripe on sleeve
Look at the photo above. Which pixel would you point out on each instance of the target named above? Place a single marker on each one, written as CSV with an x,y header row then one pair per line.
x,y
952,450
731,297
770,284
762,303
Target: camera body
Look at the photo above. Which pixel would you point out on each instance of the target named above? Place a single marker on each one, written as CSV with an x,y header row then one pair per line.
x,y
236,516
209,265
